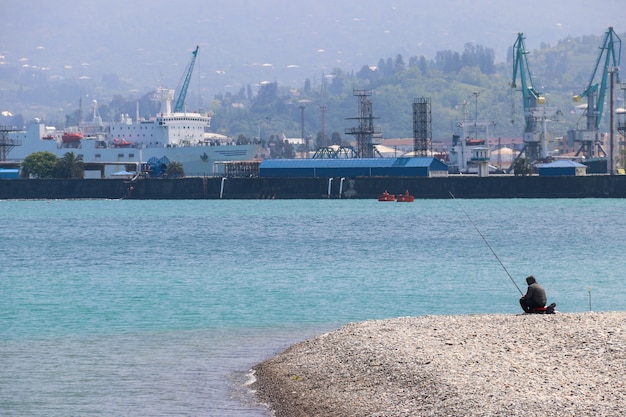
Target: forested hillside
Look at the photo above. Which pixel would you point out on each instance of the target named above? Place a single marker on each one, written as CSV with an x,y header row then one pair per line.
x,y
468,83
462,83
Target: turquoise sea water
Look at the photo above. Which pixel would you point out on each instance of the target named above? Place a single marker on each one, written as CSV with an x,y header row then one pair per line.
x,y
150,308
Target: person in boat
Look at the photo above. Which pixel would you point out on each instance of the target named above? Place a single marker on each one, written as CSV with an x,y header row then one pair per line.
x,y
535,296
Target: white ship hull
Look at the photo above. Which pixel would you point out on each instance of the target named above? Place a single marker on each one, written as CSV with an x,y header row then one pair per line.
x,y
173,135
199,158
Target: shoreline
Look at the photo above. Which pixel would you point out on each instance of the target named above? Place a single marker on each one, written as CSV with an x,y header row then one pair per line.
x,y
369,188
564,364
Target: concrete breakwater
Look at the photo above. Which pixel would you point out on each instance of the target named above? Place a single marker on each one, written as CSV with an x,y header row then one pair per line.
x,y
448,366
461,186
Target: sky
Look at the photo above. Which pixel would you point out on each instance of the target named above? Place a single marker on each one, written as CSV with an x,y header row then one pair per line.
x,y
247,42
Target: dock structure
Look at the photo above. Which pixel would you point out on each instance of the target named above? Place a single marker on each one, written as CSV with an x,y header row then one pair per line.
x,y
365,132
6,143
422,127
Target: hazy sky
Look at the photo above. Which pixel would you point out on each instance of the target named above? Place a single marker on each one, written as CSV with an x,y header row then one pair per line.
x,y
251,41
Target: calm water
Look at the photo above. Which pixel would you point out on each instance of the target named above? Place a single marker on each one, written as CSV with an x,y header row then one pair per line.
x,y
150,308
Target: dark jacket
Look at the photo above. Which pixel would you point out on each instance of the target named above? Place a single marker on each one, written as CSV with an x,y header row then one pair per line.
x,y
537,294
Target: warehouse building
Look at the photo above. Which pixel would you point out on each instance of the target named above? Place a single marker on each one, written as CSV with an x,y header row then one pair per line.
x,y
353,167
562,168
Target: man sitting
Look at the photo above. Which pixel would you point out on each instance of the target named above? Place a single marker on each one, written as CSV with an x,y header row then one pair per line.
x,y
535,296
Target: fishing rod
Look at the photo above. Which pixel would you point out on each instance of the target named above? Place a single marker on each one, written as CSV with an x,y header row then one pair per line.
x,y
486,242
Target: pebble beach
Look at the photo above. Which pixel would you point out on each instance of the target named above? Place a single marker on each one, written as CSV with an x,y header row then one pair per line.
x,y
564,364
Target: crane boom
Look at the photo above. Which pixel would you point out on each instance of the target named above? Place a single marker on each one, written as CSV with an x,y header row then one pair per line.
x,y
596,107
595,93
520,63
180,100
531,98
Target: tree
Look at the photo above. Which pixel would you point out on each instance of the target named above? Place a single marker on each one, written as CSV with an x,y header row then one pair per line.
x,y
69,166
422,64
336,85
399,64
281,149
39,165
335,138
175,170
448,61
267,98
390,68
322,141
382,67
522,167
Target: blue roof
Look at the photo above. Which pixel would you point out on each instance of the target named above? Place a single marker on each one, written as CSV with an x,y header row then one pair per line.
x,y
9,173
354,163
352,167
562,167
563,163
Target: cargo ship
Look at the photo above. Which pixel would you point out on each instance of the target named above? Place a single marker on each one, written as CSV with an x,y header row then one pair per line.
x,y
173,134
180,137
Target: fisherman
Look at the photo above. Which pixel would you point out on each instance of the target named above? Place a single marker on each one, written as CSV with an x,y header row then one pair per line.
x,y
535,296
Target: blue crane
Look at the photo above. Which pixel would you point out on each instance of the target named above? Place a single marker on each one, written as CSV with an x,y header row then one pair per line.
x,y
179,106
595,93
531,99
520,63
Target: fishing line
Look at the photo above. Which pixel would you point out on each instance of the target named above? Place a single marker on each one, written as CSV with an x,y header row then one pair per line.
x,y
486,242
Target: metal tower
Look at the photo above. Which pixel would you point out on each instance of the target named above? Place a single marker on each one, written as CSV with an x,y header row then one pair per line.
x,y
7,144
621,115
422,126
366,131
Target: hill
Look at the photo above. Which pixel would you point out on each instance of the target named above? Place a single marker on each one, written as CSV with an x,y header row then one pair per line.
x,y
54,59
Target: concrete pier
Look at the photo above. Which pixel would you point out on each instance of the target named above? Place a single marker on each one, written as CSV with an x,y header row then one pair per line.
x,y
461,186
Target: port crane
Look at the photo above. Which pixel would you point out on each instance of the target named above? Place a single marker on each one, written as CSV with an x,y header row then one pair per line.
x,y
535,114
179,105
595,94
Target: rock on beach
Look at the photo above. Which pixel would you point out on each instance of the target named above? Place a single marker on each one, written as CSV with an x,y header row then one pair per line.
x,y
476,365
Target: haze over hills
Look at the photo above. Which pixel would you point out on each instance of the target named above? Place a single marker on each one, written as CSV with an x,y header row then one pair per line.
x,y
244,42
57,58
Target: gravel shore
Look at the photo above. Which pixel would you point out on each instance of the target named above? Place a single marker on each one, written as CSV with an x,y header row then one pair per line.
x,y
475,365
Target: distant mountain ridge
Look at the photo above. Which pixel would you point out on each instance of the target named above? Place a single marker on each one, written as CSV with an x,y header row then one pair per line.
x,y
243,42
54,59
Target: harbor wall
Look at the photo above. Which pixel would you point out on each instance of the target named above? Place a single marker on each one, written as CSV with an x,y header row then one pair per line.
x,y
461,186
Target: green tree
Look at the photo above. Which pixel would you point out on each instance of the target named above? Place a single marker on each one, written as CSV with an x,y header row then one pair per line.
x,y
281,149
335,138
322,141
175,170
523,167
39,165
337,83
267,98
398,63
366,73
69,166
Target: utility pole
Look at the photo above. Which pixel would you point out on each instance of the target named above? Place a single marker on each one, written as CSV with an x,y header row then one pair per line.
x,y
476,94
323,110
304,141
500,154
612,154
621,128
